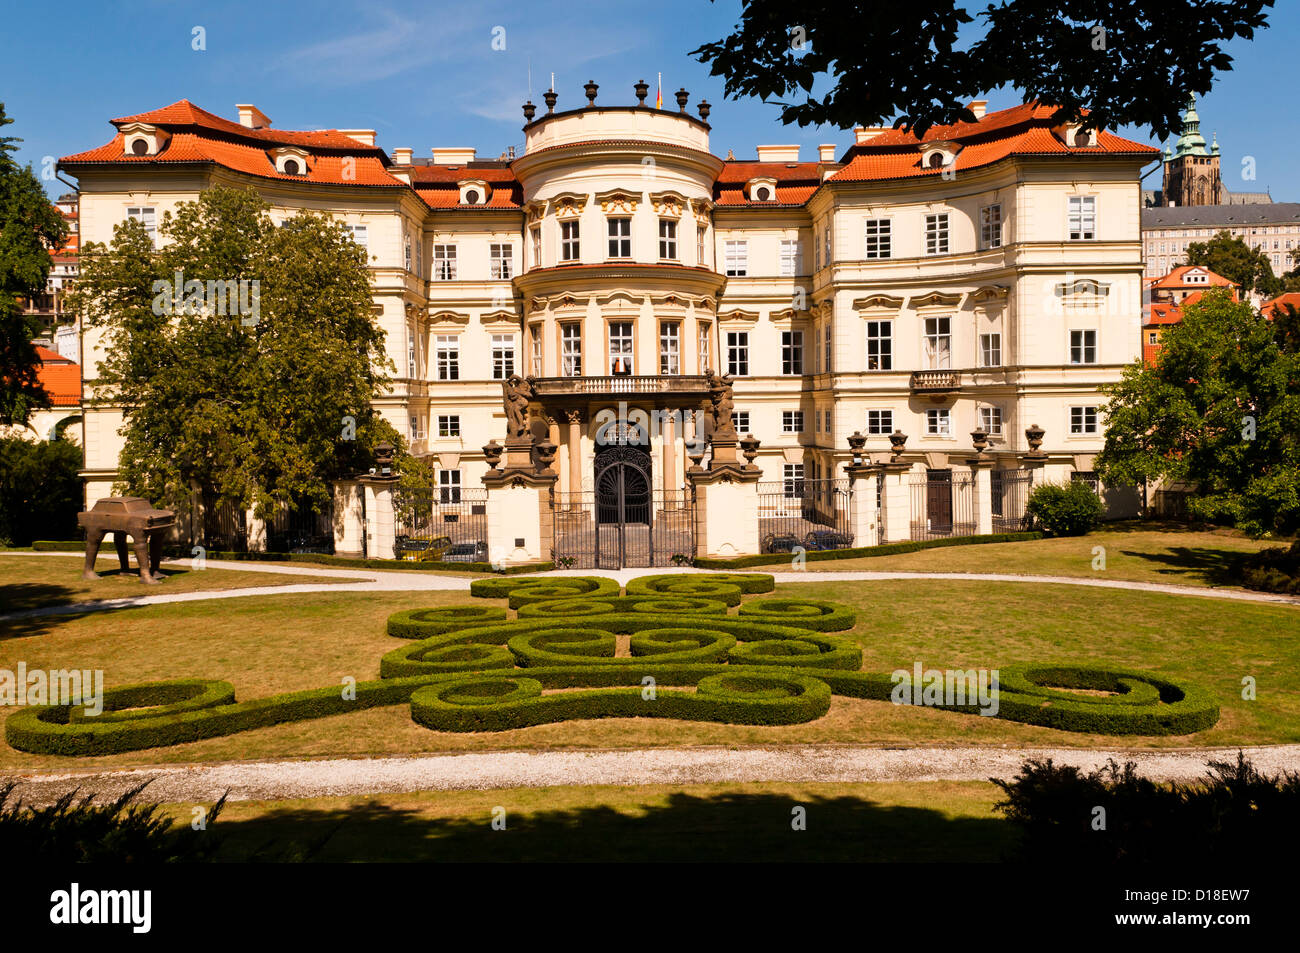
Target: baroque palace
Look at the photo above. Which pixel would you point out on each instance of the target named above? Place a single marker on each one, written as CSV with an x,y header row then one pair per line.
x,y
967,292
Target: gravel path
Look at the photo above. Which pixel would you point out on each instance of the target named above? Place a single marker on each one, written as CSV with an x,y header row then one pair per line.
x,y
276,780
368,580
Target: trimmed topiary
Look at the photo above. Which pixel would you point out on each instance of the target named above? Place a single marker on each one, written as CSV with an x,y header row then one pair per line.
x,y
422,623
1065,509
521,592
725,587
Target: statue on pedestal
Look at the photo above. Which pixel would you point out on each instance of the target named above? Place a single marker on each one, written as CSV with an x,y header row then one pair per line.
x,y
518,393
723,403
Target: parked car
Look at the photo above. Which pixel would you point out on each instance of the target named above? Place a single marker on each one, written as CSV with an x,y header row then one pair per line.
x,y
827,539
780,543
406,547
466,553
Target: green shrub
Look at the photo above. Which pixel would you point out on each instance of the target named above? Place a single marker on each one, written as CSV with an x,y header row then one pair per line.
x,y
723,586
422,623
1276,569
1065,509
861,552
40,491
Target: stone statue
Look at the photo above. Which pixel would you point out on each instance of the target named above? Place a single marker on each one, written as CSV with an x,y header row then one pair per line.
x,y
723,404
518,394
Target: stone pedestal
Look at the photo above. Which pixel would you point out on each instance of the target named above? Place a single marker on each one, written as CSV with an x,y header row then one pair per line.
x,y
863,522
896,503
519,519
349,529
726,500
381,518
981,469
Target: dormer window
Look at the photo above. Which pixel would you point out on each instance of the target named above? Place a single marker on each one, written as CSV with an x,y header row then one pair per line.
x,y
761,190
938,155
142,139
290,161
474,192
1076,137
139,147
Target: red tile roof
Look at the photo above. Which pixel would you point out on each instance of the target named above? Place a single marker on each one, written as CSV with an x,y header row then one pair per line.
x,y
439,185
1177,279
1281,302
795,182
60,377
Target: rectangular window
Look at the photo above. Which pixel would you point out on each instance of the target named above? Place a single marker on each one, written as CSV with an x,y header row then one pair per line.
x,y
415,428
938,423
826,364
1083,420
1083,347
704,348
410,354
740,421
406,252
991,226
670,349
789,258
503,256
146,217
991,350
936,234
667,239
880,422
571,350
1083,217
620,348
878,238
536,233
503,356
449,425
535,345
991,420
700,234
569,241
737,259
826,246
447,355
444,262
620,238
738,353
449,486
938,343
880,345
792,477
792,421
791,352
358,233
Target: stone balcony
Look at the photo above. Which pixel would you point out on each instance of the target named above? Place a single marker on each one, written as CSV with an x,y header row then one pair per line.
x,y
935,383
659,387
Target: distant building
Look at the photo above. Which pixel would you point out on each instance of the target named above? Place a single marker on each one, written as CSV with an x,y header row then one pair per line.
x,y
61,379
1289,300
57,326
1164,299
1272,229
1192,174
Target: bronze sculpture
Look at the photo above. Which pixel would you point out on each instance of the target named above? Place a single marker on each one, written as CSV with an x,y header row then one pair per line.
x,y
125,516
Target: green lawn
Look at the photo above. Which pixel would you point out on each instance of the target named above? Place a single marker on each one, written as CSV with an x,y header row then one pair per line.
x,y
29,582
270,644
931,821
1133,551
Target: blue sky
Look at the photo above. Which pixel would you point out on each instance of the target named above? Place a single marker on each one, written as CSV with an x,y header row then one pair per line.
x,y
426,74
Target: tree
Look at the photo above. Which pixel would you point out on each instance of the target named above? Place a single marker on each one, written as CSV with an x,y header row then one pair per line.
x,y
1127,61
1220,410
29,228
40,490
1235,260
244,355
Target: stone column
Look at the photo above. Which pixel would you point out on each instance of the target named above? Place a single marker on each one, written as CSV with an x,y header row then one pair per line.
x,y
575,454
519,504
981,470
669,438
381,519
726,500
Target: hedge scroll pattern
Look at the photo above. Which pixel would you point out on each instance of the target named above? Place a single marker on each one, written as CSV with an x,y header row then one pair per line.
x,y
667,648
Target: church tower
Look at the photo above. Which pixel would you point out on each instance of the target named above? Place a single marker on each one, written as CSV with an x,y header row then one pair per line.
x,y
1192,169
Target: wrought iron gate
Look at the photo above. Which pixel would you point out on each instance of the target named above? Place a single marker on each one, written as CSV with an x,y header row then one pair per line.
x,y
806,514
1010,494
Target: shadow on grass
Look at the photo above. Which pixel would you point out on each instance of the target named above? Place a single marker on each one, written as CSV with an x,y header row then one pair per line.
x,y
1218,567
726,827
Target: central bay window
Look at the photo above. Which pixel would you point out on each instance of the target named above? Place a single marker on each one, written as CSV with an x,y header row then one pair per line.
x,y
791,352
667,239
620,238
936,234
938,343
826,364
444,262
568,241
620,348
738,353
447,355
669,349
571,350
503,356
1083,347
448,486
938,423
1082,217
878,238
737,255
502,260
880,345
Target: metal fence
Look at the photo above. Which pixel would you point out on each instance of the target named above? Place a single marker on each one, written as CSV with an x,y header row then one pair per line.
x,y
942,504
1011,490
600,531
807,514
218,525
448,524
300,529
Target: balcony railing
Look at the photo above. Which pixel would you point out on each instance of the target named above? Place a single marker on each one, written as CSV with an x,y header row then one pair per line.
x,y
935,382
601,386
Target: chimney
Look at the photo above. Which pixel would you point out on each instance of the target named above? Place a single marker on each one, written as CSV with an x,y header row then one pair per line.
x,y
364,136
826,152
453,156
979,107
778,153
863,134
250,117
402,156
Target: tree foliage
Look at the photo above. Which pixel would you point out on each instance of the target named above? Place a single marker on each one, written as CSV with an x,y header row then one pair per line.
x,y
244,354
29,228
1232,258
40,491
871,63
1220,410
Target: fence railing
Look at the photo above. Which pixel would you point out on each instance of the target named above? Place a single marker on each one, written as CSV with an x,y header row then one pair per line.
x,y
1011,490
218,525
593,531
942,504
804,514
300,529
448,524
